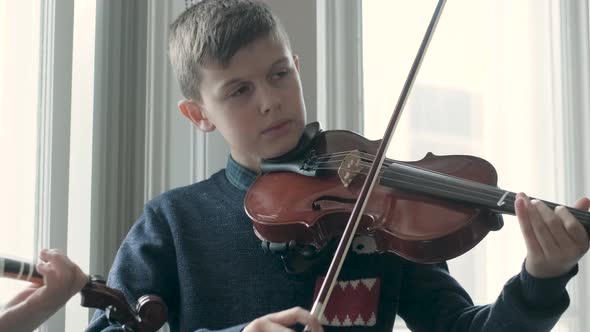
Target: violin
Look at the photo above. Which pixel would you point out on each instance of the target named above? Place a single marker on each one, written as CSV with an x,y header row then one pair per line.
x,y
426,211
149,315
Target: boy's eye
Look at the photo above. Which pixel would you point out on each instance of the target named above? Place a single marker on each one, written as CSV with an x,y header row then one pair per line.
x,y
240,91
280,74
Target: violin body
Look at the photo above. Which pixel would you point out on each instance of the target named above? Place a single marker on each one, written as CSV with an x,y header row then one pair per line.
x,y
310,208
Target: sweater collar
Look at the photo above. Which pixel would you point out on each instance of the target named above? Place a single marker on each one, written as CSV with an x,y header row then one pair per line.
x,y
238,175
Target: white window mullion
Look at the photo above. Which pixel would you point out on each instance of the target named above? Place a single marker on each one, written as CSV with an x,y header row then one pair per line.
x,y
54,124
81,167
572,62
107,134
53,132
157,103
118,132
339,59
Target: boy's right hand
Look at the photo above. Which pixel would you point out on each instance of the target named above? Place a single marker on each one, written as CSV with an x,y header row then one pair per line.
x,y
282,320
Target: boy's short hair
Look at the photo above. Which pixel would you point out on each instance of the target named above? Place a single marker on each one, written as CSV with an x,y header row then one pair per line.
x,y
212,31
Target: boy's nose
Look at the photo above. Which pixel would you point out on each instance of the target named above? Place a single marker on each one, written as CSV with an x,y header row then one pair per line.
x,y
270,101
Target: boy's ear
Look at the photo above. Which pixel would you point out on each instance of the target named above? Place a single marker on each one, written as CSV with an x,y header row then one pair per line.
x,y
195,113
296,61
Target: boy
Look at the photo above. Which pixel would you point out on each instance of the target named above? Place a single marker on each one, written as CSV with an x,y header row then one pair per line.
x,y
30,308
195,247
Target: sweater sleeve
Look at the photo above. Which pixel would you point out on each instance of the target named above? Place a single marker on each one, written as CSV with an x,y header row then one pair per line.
x,y
145,264
432,300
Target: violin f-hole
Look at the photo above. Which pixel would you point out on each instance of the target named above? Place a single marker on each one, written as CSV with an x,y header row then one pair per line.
x,y
316,204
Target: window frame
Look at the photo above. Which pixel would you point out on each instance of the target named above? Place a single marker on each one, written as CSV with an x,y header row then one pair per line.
x,y
571,35
339,58
54,87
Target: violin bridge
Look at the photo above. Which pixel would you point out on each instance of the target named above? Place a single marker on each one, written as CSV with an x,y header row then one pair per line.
x,y
349,167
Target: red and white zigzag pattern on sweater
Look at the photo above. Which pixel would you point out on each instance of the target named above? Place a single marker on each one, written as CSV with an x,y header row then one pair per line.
x,y
352,302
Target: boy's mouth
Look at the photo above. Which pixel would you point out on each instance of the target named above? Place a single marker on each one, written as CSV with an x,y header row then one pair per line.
x,y
276,127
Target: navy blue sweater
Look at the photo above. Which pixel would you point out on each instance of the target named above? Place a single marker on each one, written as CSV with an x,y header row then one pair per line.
x,y
195,247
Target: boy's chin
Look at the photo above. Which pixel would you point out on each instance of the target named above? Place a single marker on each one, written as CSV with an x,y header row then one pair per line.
x,y
278,151
282,146
275,154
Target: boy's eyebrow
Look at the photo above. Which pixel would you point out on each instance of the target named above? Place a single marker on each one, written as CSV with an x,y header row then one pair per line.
x,y
282,59
235,80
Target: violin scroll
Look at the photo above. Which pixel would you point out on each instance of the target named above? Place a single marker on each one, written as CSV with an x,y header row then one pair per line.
x,y
149,315
153,312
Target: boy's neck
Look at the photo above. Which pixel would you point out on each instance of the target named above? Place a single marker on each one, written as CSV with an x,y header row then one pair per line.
x,y
251,164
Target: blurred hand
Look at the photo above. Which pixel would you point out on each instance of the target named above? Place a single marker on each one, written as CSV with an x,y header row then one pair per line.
x,y
62,278
282,320
35,304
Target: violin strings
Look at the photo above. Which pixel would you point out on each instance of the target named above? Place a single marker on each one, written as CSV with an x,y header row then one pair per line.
x,y
330,155
386,174
368,156
345,153
468,193
509,199
473,188
493,191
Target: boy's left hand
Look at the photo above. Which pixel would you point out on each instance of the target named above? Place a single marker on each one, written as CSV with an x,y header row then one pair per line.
x,y
555,239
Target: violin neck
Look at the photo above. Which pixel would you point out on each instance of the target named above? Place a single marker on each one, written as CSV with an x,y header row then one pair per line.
x,y
15,269
443,186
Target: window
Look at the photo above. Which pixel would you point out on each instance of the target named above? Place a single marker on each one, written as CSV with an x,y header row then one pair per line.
x,y
487,87
19,77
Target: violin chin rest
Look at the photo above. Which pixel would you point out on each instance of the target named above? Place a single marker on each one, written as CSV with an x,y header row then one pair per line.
x,y
311,130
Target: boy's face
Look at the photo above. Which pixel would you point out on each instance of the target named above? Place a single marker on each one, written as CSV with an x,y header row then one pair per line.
x,y
256,102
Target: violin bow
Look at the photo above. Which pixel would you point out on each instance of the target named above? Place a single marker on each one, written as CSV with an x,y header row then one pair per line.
x,y
149,315
371,178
